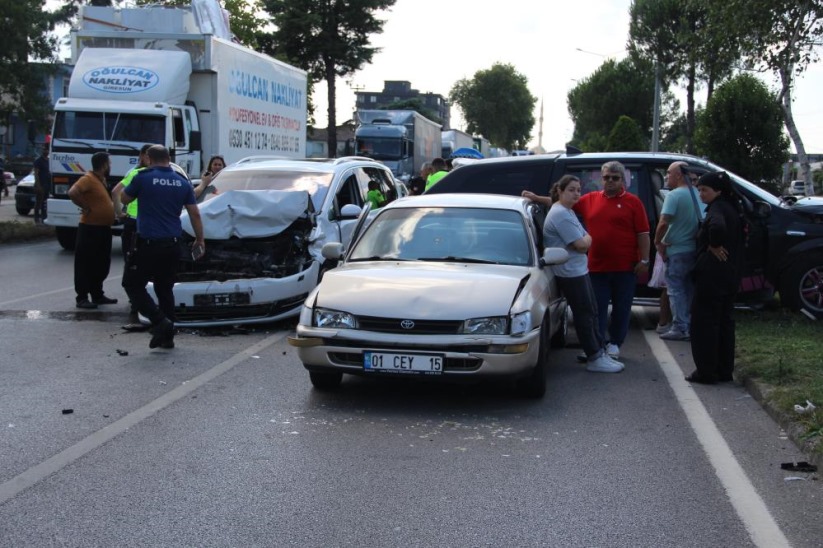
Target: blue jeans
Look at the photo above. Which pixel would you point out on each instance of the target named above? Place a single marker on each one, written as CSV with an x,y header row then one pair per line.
x,y
617,288
681,288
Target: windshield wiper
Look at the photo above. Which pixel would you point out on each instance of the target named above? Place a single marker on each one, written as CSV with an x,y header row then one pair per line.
x,y
130,147
73,142
453,259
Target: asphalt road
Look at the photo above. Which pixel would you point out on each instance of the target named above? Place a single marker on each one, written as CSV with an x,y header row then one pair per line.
x,y
223,442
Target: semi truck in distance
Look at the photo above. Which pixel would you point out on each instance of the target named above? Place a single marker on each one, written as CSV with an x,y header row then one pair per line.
x,y
454,139
164,75
403,140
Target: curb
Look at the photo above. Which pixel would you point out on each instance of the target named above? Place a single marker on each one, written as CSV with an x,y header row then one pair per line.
x,y
760,392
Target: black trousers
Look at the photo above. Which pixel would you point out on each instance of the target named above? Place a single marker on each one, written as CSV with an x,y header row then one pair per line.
x,y
580,296
712,335
92,260
153,261
128,241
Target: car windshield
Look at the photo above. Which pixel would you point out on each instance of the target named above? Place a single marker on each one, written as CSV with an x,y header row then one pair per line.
x,y
759,193
316,183
453,234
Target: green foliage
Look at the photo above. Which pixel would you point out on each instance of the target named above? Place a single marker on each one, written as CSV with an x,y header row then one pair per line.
x,y
626,136
742,129
416,105
25,36
327,39
613,90
497,104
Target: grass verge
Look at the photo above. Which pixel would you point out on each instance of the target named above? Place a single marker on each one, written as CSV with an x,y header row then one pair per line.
x,y
15,231
783,352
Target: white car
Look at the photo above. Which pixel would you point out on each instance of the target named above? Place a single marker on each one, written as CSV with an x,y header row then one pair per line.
x,y
265,222
445,286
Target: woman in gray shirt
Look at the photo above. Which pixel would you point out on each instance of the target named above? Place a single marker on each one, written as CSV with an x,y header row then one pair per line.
x,y
563,229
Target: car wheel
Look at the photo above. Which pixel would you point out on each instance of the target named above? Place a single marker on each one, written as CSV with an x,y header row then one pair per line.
x,y
325,381
559,337
801,286
23,210
534,386
67,237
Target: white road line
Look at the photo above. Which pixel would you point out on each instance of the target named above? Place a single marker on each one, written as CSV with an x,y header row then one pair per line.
x,y
37,473
751,509
52,292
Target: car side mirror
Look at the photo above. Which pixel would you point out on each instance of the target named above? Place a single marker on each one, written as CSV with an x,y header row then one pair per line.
x,y
761,210
350,211
554,255
332,251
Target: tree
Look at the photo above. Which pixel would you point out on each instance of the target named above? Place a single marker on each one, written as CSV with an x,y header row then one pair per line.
x,y
615,89
780,36
327,39
497,104
416,105
626,136
741,129
684,37
26,37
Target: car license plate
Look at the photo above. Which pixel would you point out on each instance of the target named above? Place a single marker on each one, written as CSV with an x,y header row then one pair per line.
x,y
429,364
222,299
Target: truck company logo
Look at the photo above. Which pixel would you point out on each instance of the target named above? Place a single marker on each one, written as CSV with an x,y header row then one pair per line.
x,y
121,79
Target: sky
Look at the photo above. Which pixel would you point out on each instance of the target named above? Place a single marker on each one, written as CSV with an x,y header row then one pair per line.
x,y
434,43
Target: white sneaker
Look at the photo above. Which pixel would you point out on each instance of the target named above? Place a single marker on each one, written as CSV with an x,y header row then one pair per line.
x,y
604,365
613,350
619,364
663,328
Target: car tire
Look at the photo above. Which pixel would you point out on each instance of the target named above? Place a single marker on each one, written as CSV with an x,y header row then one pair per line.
x,y
23,210
325,381
534,386
67,237
801,285
559,337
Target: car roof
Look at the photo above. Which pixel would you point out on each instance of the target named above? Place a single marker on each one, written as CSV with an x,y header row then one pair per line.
x,y
486,201
324,165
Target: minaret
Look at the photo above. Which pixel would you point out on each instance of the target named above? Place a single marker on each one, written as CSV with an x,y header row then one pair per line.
x,y
540,130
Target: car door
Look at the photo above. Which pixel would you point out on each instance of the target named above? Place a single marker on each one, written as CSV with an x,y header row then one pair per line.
x,y
348,191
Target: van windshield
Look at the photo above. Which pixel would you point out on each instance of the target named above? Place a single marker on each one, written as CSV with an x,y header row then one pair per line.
x,y
110,126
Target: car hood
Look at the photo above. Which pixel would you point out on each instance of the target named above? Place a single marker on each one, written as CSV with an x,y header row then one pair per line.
x,y
249,213
811,205
421,290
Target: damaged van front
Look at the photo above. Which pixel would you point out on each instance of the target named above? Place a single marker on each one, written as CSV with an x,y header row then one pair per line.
x,y
265,223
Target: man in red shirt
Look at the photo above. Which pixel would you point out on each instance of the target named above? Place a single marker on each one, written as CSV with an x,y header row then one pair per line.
x,y
619,227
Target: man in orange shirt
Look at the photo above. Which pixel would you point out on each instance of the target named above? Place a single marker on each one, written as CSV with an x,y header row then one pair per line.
x,y
92,252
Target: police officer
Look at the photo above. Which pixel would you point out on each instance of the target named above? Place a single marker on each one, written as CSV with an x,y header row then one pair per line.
x,y
128,237
163,194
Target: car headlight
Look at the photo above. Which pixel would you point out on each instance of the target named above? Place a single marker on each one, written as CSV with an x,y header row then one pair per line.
x,y
497,325
521,323
334,319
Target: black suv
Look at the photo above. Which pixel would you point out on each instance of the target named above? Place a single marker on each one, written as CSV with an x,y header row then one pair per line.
x,y
785,241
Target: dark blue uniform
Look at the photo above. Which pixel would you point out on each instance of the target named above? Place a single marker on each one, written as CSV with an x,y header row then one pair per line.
x,y
162,194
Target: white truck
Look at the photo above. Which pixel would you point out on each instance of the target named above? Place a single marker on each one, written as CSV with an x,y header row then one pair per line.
x,y
160,75
454,139
403,140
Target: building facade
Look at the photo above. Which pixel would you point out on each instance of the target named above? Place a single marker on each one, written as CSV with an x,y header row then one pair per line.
x,y
399,90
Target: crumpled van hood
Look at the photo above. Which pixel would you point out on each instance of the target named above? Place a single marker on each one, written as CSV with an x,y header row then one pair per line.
x,y
249,213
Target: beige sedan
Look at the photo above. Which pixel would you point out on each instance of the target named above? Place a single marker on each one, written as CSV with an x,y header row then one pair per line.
x,y
441,286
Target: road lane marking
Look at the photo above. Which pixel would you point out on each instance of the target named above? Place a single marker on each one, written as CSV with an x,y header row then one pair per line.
x,y
52,292
39,472
748,504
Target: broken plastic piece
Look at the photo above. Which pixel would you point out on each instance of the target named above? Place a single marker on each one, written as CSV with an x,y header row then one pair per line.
x,y
122,352
808,408
68,411
801,466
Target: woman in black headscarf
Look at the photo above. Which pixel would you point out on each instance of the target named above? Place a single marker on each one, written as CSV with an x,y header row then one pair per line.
x,y
716,278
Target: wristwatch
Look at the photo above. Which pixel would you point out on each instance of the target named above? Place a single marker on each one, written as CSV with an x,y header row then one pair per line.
x,y
644,261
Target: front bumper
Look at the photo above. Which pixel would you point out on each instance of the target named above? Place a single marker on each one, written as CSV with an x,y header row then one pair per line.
x,y
62,212
243,301
464,355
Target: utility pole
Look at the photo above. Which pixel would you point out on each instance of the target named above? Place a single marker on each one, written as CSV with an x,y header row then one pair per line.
x,y
540,131
656,115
